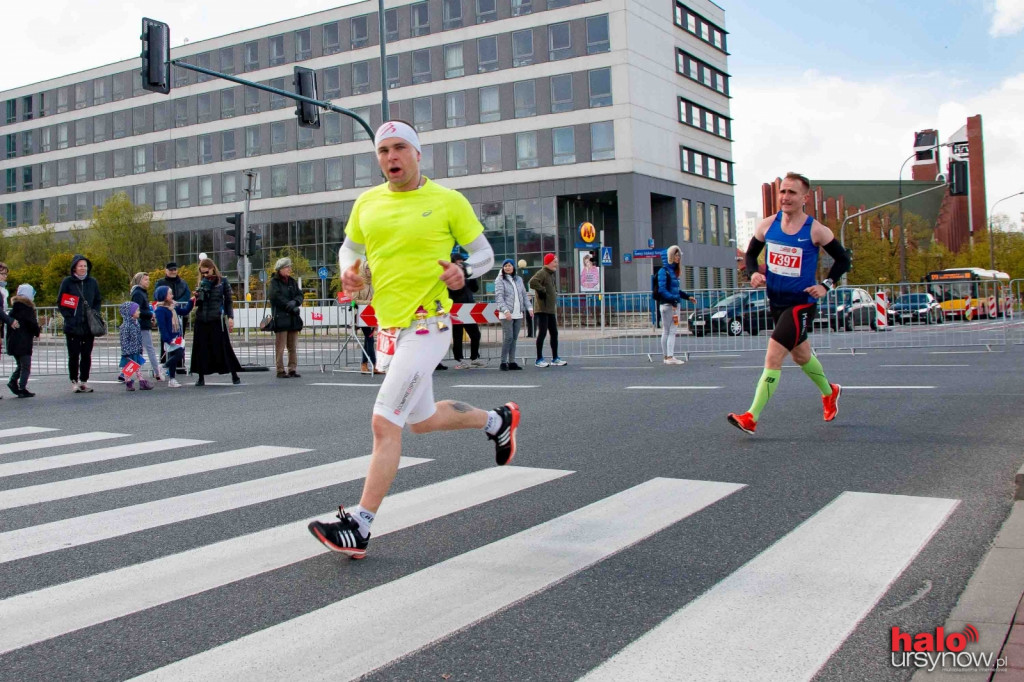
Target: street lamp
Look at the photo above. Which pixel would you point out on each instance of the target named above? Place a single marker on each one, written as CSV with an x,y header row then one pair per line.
x,y
903,233
991,239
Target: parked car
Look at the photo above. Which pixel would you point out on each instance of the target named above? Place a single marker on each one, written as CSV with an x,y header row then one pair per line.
x,y
746,311
910,308
846,307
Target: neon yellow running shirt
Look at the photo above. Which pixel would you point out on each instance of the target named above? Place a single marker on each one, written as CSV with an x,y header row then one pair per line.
x,y
405,234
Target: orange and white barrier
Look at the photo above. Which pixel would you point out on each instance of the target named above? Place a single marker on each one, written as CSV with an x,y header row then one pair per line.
x,y
993,310
461,313
968,309
881,312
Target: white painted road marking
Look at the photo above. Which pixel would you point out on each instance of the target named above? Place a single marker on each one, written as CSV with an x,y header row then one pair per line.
x,y
495,386
884,388
783,614
402,616
672,388
27,466
58,441
23,431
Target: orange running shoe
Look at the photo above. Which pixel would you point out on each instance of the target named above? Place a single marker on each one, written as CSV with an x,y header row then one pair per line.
x,y
830,403
744,422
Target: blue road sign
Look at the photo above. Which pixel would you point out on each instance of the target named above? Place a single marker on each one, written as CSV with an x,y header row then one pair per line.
x,y
606,255
646,253
323,272
627,258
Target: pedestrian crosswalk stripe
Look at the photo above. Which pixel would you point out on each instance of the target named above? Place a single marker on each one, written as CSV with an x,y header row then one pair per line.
x,y
58,441
672,388
27,466
73,487
23,431
402,616
36,616
783,614
81,530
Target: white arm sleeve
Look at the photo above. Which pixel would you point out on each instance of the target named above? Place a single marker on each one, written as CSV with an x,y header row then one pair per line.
x,y
349,253
481,256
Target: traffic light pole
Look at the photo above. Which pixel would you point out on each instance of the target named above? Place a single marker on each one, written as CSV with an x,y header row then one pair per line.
x,y
251,180
283,93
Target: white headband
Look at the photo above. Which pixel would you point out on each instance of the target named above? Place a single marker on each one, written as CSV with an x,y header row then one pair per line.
x,y
397,129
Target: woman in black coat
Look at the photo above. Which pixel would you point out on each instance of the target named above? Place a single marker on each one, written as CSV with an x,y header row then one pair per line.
x,y
21,338
285,306
214,322
77,291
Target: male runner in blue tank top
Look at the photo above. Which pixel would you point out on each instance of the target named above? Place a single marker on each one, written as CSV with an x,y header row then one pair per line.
x,y
793,239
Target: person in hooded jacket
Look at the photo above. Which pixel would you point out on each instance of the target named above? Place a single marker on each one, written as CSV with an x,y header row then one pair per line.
x,y
76,291
214,322
21,338
513,306
4,317
286,308
140,295
465,295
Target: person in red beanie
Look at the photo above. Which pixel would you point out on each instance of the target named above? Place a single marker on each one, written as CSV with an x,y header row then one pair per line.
x,y
543,283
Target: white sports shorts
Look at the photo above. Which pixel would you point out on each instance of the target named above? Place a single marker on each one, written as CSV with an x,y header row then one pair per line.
x,y
407,394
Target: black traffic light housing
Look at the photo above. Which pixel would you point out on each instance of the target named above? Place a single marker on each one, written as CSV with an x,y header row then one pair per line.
x,y
235,238
156,56
305,85
957,178
253,243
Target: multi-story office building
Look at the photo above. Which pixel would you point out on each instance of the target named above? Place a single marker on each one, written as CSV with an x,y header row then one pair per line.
x,y
544,113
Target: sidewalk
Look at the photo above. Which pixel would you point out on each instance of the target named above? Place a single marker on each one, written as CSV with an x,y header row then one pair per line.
x,y
993,603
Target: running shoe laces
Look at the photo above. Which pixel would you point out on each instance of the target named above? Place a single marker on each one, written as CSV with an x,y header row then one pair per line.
x,y
342,535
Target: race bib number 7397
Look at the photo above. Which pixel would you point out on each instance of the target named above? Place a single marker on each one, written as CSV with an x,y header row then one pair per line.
x,y
784,260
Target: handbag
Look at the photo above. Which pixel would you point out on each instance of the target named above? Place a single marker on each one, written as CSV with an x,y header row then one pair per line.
x,y
93,318
267,321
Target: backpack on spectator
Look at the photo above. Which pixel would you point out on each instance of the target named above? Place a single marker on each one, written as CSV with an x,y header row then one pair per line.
x,y
654,286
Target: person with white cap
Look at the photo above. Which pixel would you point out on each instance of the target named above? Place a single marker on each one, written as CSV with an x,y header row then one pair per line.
x,y
670,295
406,229
21,338
286,309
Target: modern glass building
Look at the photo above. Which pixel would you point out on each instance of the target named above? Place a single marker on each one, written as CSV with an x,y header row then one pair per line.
x,y
544,113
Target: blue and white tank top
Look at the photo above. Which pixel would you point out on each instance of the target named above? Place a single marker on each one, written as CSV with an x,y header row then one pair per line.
x,y
791,263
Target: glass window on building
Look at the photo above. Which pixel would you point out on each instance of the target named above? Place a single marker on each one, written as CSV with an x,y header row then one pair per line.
x,y
26,178
161,116
252,101
600,87
119,88
420,19
522,47
561,93
62,140
26,143
205,148
252,141
252,56
455,109
453,61
305,138
181,153
427,160
421,66
521,7
226,57
526,150
161,156
184,199
597,34
390,25
62,211
602,141
303,45
490,104
457,162
685,208
332,174
305,175
228,187
81,96
277,55
180,114
120,124
490,154
46,139
81,128
278,181
525,96
422,114
563,143
713,224
730,233
206,190
487,54
139,164
559,41
394,74
486,10
203,60
332,82
360,77
363,166
12,111
160,196
331,124
451,14
81,173
100,91
227,103
62,100
358,133
227,145
277,101
331,38
204,105
278,137
11,186
699,222
46,175
139,195
12,143
62,172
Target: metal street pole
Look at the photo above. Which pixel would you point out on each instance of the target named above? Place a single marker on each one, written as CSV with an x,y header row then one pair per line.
x,y
991,237
903,232
384,111
600,251
250,176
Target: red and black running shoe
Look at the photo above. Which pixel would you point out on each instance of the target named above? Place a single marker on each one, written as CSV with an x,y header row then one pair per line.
x,y
505,439
341,535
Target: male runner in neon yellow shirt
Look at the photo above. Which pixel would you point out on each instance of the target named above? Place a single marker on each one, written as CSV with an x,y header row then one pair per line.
x,y
406,229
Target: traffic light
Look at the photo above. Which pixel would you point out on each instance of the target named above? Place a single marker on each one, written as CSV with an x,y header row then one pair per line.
x,y
234,239
305,85
156,56
253,244
957,178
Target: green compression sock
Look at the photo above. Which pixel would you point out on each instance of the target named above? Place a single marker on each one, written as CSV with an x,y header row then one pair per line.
x,y
766,386
816,372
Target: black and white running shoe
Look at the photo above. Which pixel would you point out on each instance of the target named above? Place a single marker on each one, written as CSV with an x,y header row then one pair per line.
x,y
341,535
505,439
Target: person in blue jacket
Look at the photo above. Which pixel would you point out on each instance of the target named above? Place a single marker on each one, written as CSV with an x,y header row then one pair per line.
x,y
170,316
669,298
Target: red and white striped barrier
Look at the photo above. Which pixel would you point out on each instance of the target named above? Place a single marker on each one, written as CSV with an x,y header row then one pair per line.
x,y
968,309
993,310
461,313
881,312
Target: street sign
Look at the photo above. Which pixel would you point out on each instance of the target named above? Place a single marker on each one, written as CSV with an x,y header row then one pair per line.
x,y
606,255
586,236
627,258
323,272
650,243
646,253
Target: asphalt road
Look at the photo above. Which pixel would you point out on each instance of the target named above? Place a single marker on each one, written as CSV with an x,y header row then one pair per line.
x,y
788,555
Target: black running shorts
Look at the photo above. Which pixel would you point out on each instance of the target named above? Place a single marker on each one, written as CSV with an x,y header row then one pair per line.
x,y
793,324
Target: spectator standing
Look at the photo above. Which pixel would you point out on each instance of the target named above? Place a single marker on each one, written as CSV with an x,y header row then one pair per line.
x,y
364,296
181,292
285,307
140,295
170,318
131,345
513,305
212,352
78,291
465,295
545,287
21,338
3,301
669,298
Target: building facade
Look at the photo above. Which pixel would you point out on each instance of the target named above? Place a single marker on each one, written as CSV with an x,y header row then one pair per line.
x,y
544,113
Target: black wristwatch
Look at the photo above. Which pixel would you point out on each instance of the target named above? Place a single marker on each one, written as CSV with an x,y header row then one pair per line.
x,y
828,284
